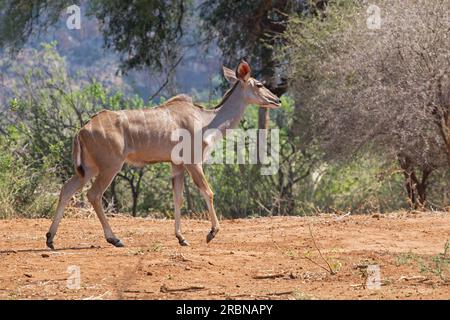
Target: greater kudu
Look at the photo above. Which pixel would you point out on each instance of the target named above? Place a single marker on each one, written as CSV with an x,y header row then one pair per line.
x,y
139,137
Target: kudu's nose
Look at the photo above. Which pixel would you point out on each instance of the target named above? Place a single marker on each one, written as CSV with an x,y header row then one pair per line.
x,y
276,100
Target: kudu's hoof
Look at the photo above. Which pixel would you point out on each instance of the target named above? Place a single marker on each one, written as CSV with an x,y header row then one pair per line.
x,y
211,235
49,241
115,242
183,242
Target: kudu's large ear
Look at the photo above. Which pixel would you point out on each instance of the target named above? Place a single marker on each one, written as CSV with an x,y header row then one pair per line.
x,y
230,75
243,71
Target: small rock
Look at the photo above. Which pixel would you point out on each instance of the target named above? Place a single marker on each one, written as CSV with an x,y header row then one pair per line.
x,y
28,275
44,255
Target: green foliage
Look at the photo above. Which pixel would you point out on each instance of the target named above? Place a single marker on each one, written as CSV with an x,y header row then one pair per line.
x,y
24,190
365,184
145,32
437,265
311,39
21,18
156,196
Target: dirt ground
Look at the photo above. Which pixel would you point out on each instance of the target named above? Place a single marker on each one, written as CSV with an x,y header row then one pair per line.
x,y
262,258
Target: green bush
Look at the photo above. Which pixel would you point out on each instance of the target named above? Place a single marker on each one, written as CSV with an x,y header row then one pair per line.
x,y
24,190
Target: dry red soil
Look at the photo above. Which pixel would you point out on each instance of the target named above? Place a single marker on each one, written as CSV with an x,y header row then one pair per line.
x,y
263,258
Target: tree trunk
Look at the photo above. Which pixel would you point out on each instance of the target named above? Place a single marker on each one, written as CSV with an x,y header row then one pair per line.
x,y
268,77
415,188
261,140
135,202
410,189
109,199
135,187
448,134
113,193
422,187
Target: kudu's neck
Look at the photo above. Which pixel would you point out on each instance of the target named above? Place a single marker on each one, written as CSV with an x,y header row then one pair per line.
x,y
231,111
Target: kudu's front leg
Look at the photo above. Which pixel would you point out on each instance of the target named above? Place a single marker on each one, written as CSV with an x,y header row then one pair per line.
x,y
178,186
198,176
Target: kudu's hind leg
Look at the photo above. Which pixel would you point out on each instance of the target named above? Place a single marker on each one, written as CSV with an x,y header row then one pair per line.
x,y
198,176
95,195
68,190
177,185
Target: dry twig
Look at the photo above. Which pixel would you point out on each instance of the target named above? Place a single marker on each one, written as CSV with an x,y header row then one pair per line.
x,y
329,269
165,289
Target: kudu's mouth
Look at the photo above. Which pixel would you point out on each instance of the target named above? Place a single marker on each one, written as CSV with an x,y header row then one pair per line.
x,y
272,104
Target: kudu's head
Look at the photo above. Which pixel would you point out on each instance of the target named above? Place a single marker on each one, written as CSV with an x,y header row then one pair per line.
x,y
254,91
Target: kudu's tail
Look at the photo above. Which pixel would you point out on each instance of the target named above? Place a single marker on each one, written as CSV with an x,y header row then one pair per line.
x,y
77,156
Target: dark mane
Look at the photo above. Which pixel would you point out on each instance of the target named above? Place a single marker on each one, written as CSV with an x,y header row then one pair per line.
x,y
224,98
96,114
